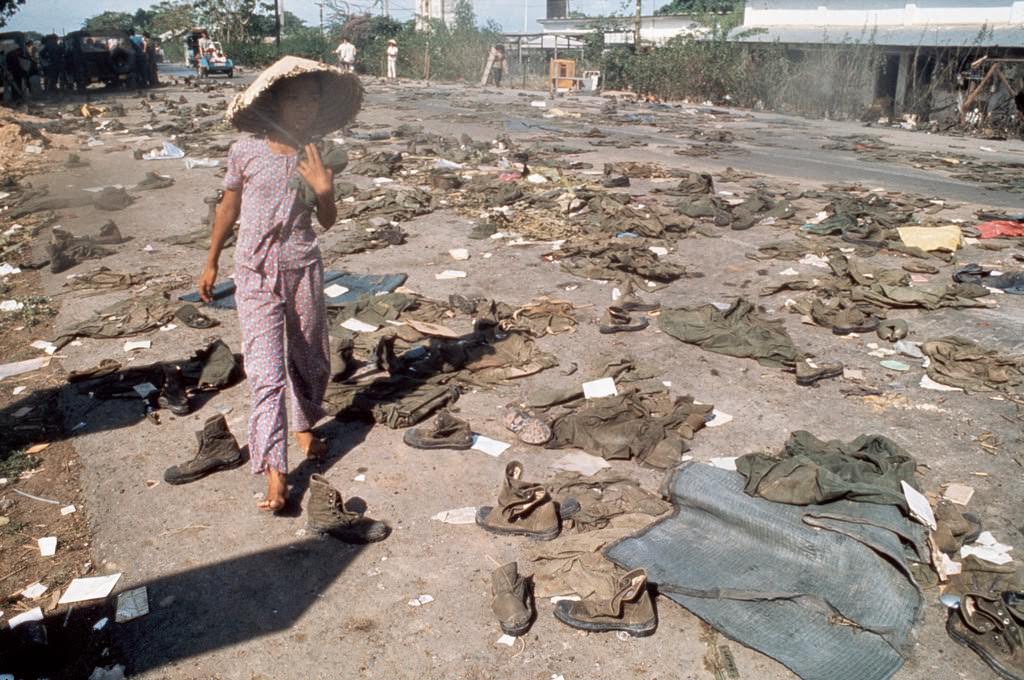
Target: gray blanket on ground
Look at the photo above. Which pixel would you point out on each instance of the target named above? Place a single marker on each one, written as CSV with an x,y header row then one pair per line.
x,y
831,604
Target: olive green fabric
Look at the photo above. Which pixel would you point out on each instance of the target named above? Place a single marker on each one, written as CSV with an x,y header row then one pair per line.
x,y
960,362
809,471
738,331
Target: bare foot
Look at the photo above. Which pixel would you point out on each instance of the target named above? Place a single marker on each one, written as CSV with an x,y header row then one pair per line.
x,y
277,490
314,448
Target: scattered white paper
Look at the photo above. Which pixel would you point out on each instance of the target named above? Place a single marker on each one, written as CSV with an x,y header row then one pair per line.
x,y
507,640
960,494
91,588
583,463
910,349
48,546
920,508
949,567
168,152
145,389
168,327
459,253
988,548
26,366
131,604
335,290
31,615
358,326
536,178
67,510
34,591
359,478
18,390
7,270
47,347
814,261
11,306
930,384
450,274
421,600
789,272
457,516
726,463
602,387
660,251
718,418
492,447
132,345
853,374
191,163
539,104
101,624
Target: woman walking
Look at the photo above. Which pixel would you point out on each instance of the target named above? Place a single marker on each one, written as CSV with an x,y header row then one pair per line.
x,y
278,269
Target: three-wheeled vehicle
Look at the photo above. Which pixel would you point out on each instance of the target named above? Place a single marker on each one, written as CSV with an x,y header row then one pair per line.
x,y
213,61
206,56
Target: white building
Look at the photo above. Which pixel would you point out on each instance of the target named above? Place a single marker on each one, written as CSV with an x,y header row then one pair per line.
x,y
906,23
655,30
438,10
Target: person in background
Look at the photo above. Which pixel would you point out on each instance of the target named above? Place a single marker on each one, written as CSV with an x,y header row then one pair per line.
x,y
51,60
392,59
346,56
498,64
150,43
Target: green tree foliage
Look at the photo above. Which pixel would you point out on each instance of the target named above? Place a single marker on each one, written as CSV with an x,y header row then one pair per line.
x,y
109,21
700,6
8,8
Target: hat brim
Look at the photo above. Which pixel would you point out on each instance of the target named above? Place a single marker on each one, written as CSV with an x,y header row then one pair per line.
x,y
341,97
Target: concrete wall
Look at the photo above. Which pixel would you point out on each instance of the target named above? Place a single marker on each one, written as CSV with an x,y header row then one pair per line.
x,y
857,13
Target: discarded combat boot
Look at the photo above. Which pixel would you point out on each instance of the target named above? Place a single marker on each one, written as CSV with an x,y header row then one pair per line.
x,y
445,432
618,320
74,161
524,509
193,318
892,330
954,528
326,514
512,603
615,182
631,609
154,181
172,394
631,302
218,450
992,629
529,428
809,374
110,234
853,320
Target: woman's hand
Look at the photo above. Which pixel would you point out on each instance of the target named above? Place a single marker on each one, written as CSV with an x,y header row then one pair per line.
x,y
319,178
206,281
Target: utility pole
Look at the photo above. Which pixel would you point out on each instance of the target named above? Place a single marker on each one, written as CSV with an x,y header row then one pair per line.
x,y
636,29
277,25
443,21
526,15
387,9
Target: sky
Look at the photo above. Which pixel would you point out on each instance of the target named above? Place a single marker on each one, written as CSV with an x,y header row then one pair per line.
x,y
62,16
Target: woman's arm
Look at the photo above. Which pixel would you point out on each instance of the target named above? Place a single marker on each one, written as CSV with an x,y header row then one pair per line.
x,y
223,223
321,181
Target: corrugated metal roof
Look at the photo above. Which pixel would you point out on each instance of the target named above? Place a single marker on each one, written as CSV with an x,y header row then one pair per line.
x,y
951,36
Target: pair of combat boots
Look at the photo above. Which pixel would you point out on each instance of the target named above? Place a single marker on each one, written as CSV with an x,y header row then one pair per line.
x,y
325,510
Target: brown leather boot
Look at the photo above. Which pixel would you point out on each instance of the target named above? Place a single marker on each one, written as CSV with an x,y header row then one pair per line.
x,y
523,509
992,629
326,514
512,604
630,609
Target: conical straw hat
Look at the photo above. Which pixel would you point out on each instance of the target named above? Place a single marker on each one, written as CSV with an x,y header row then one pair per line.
x,y
340,101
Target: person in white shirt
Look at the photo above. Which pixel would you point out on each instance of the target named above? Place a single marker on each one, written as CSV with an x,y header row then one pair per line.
x,y
346,56
392,59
